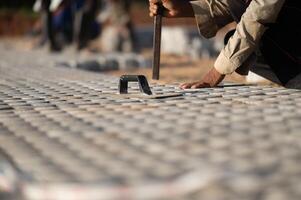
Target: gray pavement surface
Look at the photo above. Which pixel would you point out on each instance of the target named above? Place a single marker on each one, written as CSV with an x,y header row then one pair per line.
x,y
66,134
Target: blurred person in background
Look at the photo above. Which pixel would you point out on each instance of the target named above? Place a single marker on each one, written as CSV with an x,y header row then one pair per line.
x,y
65,21
118,32
266,29
45,24
56,22
62,22
86,27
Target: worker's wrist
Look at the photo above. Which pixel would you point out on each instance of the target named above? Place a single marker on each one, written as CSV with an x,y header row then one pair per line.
x,y
213,77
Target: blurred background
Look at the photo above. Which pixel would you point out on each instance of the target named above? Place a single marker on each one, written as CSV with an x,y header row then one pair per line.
x,y
108,36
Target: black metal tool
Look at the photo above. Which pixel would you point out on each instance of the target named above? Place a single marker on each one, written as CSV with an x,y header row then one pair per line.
x,y
157,42
143,87
142,82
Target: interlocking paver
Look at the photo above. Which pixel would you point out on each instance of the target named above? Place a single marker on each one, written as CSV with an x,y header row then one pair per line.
x,y
65,129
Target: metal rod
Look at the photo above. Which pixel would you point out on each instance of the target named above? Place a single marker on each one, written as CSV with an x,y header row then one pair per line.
x,y
157,42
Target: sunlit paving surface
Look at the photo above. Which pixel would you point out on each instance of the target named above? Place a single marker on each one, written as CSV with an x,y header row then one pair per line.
x,y
68,134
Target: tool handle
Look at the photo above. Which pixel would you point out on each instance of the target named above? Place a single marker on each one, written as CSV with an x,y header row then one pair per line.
x,y
157,41
160,9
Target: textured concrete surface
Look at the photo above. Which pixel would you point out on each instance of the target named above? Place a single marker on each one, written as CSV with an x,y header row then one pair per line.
x,y
65,134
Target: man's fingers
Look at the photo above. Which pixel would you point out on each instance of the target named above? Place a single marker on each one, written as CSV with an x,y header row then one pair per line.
x,y
182,85
194,85
200,85
153,6
154,1
186,85
153,9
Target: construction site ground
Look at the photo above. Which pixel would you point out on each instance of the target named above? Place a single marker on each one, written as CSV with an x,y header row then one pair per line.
x,y
68,134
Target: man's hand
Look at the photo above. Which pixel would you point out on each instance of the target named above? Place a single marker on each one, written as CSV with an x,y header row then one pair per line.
x,y
211,79
173,8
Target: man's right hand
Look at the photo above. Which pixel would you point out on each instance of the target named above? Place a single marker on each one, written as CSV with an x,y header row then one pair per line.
x,y
173,8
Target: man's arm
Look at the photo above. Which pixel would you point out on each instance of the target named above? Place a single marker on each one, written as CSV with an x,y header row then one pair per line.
x,y
243,43
210,16
248,33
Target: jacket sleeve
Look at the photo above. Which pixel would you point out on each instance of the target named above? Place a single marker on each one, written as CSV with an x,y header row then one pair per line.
x,y
211,15
248,33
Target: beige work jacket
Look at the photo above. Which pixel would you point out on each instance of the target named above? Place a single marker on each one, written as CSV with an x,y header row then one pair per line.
x,y
212,15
